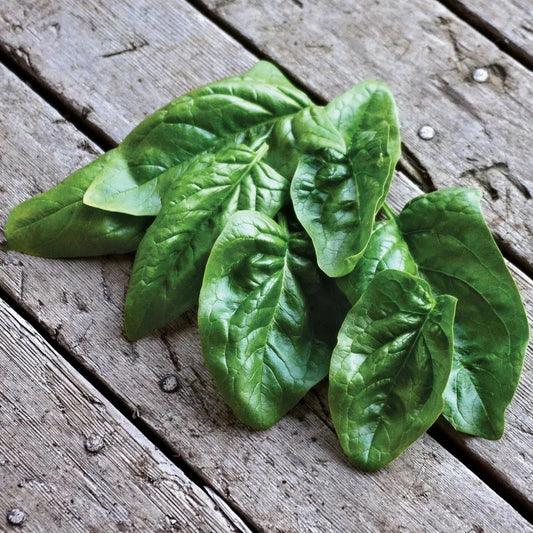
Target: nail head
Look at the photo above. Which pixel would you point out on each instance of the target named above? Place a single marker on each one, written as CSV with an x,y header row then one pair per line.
x,y
94,443
169,383
480,75
16,516
426,133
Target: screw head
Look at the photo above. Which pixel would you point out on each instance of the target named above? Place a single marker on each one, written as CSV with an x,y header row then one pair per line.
x,y
169,383
16,516
94,443
426,133
480,75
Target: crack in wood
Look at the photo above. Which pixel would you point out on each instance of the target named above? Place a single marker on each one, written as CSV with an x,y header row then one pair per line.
x,y
489,31
133,47
415,170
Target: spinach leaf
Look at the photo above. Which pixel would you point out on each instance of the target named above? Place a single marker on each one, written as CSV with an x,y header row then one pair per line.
x,y
56,223
170,261
457,255
390,367
337,192
234,109
444,236
386,250
255,323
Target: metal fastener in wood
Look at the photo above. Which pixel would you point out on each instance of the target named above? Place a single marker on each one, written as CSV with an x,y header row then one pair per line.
x,y
169,383
16,516
94,443
480,75
426,133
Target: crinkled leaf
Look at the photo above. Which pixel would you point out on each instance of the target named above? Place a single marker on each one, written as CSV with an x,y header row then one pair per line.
x,y
386,250
171,258
255,324
201,120
365,111
335,196
56,223
390,367
455,252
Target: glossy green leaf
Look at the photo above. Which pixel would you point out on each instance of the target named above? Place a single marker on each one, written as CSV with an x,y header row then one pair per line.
x,y
171,258
335,196
367,111
234,109
56,223
390,367
255,323
456,253
386,250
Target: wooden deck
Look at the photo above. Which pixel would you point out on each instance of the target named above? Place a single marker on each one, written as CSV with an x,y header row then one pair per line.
x,y
75,77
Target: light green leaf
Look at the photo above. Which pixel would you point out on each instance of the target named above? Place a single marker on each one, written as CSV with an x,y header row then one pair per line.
x,y
457,255
56,223
204,119
336,196
386,250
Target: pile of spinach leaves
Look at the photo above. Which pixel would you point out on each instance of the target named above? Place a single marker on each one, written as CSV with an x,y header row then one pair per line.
x,y
246,198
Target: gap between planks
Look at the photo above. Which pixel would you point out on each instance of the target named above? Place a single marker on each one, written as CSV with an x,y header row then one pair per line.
x,y
81,124
105,142
489,31
240,523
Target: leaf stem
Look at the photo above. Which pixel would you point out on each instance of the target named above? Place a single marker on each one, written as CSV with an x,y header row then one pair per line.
x,y
388,212
260,152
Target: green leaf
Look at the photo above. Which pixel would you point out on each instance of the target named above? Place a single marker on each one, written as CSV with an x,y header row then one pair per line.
x,y
457,255
444,237
171,258
386,250
204,119
255,324
335,196
58,224
390,367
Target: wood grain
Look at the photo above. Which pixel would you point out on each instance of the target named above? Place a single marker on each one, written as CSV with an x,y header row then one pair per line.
x,y
290,478
510,23
47,410
115,63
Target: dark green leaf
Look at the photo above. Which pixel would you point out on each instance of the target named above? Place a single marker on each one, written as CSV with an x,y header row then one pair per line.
x,y
336,197
254,322
390,367
239,109
58,224
456,253
170,261
386,250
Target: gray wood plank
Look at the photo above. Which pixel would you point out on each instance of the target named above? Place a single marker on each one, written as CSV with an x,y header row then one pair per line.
x,y
119,61
509,22
290,478
47,411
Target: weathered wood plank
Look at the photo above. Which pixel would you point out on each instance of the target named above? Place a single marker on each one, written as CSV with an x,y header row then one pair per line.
x,y
290,478
47,411
509,23
93,81
117,62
